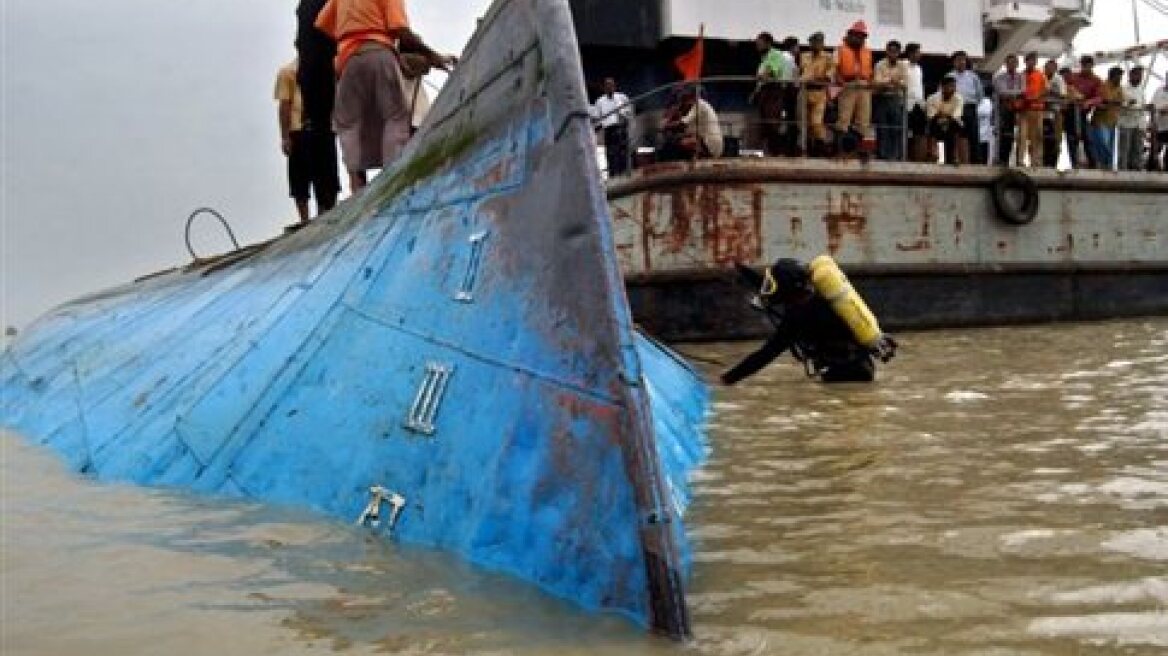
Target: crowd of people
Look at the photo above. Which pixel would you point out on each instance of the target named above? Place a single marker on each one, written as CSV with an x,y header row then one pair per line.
x,y
357,79
816,102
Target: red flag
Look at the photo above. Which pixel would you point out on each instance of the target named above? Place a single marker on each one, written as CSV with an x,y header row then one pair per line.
x,y
690,64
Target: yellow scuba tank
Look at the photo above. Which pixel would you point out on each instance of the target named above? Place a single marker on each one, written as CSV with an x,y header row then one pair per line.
x,y
831,283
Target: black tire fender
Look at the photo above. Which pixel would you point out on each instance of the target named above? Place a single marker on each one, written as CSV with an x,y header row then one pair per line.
x,y
1009,211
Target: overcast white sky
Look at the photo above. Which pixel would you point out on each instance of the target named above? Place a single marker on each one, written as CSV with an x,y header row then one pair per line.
x,y
119,117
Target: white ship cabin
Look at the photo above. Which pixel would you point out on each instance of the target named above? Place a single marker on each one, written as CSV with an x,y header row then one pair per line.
x,y
637,42
986,29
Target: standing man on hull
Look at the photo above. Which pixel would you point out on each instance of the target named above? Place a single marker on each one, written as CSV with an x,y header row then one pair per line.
x,y
819,333
372,113
312,158
316,143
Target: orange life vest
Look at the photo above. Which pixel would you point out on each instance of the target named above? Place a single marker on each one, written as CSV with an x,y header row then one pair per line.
x,y
1035,91
854,65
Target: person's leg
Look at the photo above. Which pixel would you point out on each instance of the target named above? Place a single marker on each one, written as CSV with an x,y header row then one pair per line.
x,y
1006,140
880,119
1023,138
299,174
897,128
1105,153
1036,137
1052,135
610,155
864,121
940,133
391,107
325,182
793,130
621,150
1123,145
848,102
953,140
771,115
816,110
971,133
351,116
1071,129
1090,149
964,144
1135,150
918,126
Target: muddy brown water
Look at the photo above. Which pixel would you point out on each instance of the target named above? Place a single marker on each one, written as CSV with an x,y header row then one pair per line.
x,y
997,492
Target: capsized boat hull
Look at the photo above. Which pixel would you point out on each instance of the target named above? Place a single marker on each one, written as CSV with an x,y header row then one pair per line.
x,y
457,336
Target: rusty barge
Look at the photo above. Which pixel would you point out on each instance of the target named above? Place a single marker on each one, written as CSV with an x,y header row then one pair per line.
x,y
925,244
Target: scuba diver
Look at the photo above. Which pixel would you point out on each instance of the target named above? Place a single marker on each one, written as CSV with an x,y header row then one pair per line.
x,y
819,318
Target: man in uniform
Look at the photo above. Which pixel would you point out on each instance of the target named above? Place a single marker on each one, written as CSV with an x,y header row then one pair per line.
x,y
818,72
854,69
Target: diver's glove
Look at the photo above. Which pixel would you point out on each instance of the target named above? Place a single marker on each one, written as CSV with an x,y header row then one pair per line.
x,y
885,349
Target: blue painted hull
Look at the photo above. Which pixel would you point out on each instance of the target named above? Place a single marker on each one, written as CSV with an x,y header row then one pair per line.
x,y
458,335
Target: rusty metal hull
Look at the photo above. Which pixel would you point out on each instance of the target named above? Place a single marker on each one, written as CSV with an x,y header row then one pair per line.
x,y
428,346
923,243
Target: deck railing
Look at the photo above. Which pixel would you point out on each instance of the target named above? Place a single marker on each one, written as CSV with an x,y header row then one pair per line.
x,y
749,132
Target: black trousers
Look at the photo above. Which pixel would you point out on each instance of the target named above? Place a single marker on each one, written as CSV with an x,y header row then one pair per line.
x,y
1078,129
970,130
616,149
1007,122
947,131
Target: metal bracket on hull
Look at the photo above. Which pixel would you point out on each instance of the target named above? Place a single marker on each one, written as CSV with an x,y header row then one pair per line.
x,y
466,290
424,409
371,516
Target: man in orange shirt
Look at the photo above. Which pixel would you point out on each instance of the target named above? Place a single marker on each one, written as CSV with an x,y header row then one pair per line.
x,y
372,114
1031,112
854,71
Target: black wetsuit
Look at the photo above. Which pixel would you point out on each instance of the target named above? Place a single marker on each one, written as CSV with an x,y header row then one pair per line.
x,y
816,335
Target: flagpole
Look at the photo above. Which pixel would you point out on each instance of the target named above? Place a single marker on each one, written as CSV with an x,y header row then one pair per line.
x,y
698,100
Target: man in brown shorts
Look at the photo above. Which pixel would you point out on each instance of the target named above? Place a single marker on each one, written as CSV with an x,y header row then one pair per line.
x,y
372,113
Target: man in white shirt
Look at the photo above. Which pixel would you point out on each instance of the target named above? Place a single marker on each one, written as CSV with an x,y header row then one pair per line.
x,y
1053,128
612,114
890,80
1160,105
946,110
1133,122
918,122
970,89
1007,94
